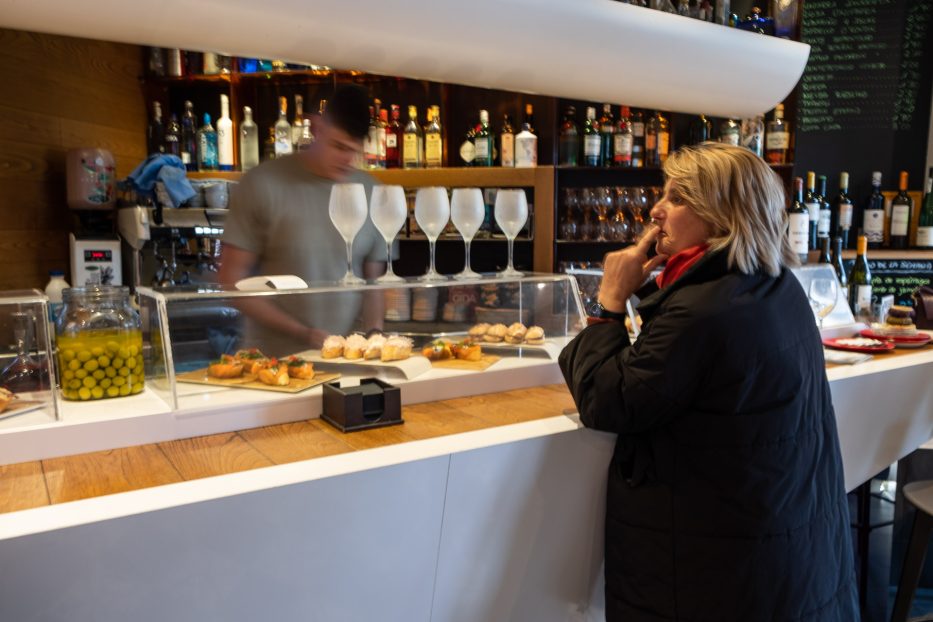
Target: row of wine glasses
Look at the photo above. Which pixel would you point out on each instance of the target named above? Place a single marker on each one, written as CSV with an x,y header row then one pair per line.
x,y
388,210
606,214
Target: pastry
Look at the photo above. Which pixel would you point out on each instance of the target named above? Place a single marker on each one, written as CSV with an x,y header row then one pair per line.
x,y
900,320
333,347
437,350
353,350
495,334
299,368
251,359
396,349
374,347
478,330
274,373
535,336
6,398
515,333
227,367
467,350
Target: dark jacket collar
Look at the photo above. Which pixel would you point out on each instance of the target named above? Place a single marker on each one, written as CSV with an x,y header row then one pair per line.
x,y
713,265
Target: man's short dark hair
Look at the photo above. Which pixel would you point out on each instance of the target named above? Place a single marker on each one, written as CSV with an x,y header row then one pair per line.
x,y
348,110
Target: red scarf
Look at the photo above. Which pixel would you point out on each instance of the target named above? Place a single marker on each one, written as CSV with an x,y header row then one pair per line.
x,y
680,263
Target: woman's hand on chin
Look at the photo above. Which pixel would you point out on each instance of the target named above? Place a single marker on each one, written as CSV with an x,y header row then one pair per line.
x,y
624,271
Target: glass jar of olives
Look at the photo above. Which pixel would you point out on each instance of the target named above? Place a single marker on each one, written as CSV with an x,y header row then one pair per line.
x,y
99,344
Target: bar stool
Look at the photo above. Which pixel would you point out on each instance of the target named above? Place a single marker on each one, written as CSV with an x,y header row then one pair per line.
x,y
920,495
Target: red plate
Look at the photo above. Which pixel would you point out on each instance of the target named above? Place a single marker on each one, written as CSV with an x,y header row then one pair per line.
x,y
887,346
917,339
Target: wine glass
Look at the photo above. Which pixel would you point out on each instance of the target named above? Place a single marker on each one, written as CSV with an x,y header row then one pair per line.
x,y
467,211
388,210
822,296
348,212
511,214
432,211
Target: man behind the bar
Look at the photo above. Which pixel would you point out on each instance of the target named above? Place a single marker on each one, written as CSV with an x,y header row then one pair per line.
x,y
279,224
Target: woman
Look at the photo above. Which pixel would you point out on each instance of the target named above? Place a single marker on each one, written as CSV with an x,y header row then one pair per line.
x,y
725,497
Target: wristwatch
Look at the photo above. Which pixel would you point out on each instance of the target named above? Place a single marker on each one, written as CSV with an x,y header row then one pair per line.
x,y
597,310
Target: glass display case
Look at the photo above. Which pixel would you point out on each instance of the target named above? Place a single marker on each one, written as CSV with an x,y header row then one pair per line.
x,y
210,346
27,372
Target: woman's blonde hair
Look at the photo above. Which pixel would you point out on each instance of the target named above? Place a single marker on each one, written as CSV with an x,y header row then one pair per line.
x,y
742,200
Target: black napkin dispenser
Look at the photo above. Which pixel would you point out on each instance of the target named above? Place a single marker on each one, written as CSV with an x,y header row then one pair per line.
x,y
372,404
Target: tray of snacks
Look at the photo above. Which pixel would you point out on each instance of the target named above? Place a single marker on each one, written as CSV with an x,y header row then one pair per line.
x,y
466,355
859,344
250,369
11,405
390,351
515,337
898,327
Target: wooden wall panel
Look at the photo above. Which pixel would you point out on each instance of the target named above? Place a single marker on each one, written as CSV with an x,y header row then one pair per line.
x,y
59,93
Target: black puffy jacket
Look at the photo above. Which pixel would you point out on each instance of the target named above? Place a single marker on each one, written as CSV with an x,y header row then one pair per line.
x,y
726,500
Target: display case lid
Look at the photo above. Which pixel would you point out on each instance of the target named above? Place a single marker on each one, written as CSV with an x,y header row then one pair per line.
x,y
22,296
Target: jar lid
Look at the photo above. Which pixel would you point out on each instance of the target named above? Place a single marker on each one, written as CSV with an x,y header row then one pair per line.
x,y
94,293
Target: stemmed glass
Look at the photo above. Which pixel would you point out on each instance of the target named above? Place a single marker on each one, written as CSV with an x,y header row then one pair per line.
x,y
511,214
348,212
432,211
467,211
388,210
822,296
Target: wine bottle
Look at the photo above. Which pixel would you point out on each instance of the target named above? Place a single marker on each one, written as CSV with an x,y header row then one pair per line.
x,y
189,138
155,133
622,140
207,146
730,132
433,140
799,223
843,215
860,298
777,141
607,128
569,143
483,142
925,224
412,141
369,145
298,124
638,139
394,140
837,262
812,203
249,140
873,214
657,140
592,143
507,143
701,130
225,136
902,208
824,256
824,226
283,130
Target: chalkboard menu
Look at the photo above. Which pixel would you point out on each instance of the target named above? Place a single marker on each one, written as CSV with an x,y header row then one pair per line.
x,y
899,277
865,93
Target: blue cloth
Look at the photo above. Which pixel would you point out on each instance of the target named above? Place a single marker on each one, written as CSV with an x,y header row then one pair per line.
x,y
170,170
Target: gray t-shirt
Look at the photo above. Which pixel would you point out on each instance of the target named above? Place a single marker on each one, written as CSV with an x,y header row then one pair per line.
x,y
279,211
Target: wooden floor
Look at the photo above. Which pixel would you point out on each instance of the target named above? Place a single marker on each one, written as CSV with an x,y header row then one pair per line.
x,y
57,480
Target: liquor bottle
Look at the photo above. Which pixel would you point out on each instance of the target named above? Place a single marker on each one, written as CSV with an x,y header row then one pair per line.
x,y
468,147
268,146
369,142
701,130
799,223
306,138
753,134
837,262
298,124
322,107
174,63
902,209
189,138
843,212
925,223
873,214
412,141
225,136
526,143
507,143
394,140
607,128
824,256
683,8
730,132
622,139
249,140
824,226
657,140
592,144
812,203
173,136
211,64
777,141
156,61
283,130
155,133
207,146
529,118
860,298
638,139
569,144
483,142
380,137
433,139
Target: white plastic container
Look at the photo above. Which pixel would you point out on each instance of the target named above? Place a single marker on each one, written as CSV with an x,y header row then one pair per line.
x,y
53,290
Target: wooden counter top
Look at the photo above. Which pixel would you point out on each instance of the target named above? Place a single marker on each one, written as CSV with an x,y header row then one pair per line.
x,y
58,480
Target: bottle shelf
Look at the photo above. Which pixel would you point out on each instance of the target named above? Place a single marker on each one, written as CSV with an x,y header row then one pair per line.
x,y
469,176
888,253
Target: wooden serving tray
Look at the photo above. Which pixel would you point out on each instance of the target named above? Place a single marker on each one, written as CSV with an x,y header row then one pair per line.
x,y
249,381
486,361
